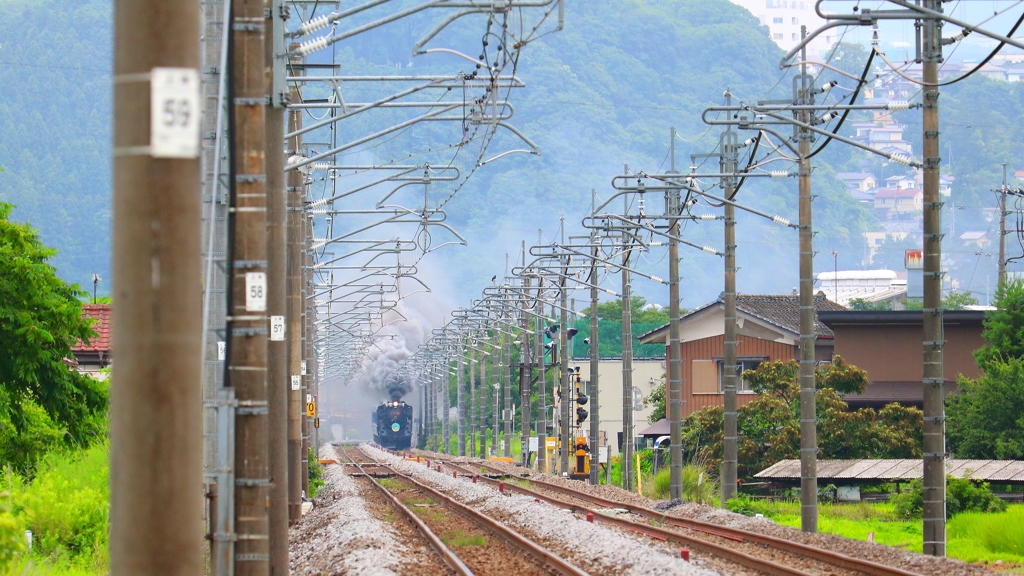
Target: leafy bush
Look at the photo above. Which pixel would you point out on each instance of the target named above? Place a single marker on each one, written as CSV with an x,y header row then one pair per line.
x,y
316,473
12,541
67,505
698,484
751,506
962,495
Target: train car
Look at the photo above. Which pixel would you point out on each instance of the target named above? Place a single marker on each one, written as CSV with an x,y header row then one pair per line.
x,y
392,425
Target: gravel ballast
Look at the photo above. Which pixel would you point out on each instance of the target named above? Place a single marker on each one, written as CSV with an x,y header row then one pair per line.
x,y
340,536
592,546
887,555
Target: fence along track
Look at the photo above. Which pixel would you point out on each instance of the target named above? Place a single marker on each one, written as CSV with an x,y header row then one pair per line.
x,y
825,556
447,556
545,557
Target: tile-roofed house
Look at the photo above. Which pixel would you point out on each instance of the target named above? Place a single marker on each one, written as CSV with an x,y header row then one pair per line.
x,y
897,202
768,329
93,356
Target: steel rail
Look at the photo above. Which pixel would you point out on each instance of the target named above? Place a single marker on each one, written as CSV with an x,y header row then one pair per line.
x,y
443,551
550,560
834,558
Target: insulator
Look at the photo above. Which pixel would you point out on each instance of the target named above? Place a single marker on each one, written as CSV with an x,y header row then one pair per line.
x,y
829,85
900,159
748,142
898,105
307,48
656,243
318,203
778,174
321,165
709,249
318,212
828,116
781,220
315,24
707,217
657,279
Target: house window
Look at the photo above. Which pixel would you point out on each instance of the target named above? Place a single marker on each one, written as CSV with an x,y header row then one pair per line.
x,y
794,35
778,36
769,3
777,20
742,365
795,21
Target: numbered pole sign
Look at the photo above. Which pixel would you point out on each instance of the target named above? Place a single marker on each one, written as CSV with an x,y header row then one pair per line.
x,y
311,409
296,381
255,292
303,367
222,350
277,328
174,113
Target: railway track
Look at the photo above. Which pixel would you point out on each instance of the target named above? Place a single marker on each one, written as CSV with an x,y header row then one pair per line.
x,y
476,559
767,554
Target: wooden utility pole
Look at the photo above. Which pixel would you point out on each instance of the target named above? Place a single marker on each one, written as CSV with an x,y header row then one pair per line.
x,y
934,444
156,400
247,321
293,333
277,348
460,382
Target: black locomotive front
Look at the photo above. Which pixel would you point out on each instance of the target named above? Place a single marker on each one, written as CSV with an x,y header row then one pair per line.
x,y
392,425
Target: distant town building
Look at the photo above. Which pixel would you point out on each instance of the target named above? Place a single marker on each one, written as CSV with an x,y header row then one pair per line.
x,y
92,357
784,18
898,204
874,286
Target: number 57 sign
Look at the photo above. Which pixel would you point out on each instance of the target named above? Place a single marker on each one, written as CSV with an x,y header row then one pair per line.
x,y
174,113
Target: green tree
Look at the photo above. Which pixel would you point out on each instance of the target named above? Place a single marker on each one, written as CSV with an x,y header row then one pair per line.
x,y
984,418
863,305
612,311
1003,327
770,425
40,319
959,300
658,398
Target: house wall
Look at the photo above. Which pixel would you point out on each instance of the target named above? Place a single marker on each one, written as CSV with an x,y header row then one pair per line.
x,y
893,356
647,375
714,347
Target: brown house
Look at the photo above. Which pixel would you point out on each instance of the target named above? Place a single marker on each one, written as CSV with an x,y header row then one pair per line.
x,y
768,329
889,345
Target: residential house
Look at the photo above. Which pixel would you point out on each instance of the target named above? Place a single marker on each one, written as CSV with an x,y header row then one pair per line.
x,y
92,357
860,181
889,346
979,239
768,329
899,204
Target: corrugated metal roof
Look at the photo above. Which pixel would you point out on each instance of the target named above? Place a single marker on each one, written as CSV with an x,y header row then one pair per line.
x,y
896,469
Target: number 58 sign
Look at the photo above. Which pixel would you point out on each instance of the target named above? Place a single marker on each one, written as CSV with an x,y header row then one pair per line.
x,y
174,113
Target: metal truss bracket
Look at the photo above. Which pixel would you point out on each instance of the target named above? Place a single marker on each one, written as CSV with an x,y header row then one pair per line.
x,y
931,133
244,332
252,557
250,177
242,264
241,26
932,162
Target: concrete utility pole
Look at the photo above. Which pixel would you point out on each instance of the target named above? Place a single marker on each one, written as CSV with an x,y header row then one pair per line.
x,y
730,375
675,366
295,305
627,370
446,403
308,367
542,386
157,324
472,406
934,445
525,373
247,320
1002,229
593,388
568,397
808,392
277,307
484,395
461,383
506,387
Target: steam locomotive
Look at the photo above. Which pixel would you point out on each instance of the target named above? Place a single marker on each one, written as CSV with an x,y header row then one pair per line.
x,y
392,425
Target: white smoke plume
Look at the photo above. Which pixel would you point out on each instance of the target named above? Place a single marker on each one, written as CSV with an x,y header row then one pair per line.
x,y
397,342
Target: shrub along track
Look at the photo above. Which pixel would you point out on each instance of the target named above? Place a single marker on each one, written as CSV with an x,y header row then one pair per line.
x,y
482,544
758,552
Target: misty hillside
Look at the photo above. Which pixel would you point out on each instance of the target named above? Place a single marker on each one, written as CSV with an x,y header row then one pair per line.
x,y
600,94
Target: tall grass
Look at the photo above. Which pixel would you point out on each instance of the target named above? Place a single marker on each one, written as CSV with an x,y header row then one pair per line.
x,y
998,533
698,484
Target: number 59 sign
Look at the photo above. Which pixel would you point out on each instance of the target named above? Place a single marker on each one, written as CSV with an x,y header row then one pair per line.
x,y
174,113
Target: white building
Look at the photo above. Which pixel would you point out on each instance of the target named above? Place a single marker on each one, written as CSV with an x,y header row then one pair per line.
x,y
784,18
868,285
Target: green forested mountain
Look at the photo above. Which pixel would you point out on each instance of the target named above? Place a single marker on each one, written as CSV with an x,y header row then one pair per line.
x,y
55,61
600,94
